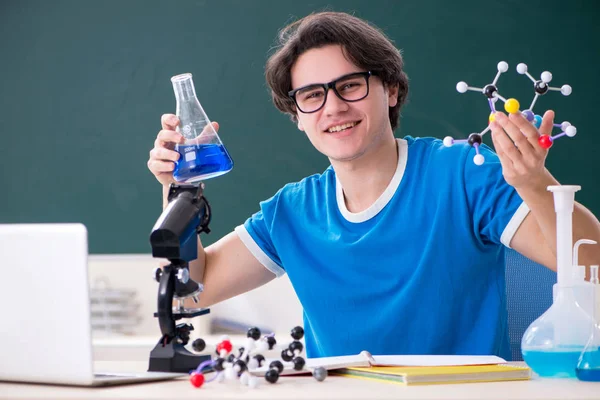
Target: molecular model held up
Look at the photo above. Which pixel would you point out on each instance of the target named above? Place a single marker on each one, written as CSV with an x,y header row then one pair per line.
x,y
512,106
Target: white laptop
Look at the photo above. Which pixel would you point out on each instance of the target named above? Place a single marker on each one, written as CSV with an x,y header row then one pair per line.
x,y
45,328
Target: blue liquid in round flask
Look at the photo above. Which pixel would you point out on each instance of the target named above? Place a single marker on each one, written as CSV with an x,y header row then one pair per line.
x,y
203,155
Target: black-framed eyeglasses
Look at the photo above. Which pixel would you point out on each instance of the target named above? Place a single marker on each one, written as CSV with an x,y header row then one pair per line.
x,y
350,87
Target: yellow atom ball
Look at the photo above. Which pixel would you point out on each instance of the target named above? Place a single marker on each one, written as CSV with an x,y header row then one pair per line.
x,y
511,106
492,117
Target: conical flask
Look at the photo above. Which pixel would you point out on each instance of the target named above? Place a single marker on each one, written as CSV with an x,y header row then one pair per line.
x,y
203,155
588,367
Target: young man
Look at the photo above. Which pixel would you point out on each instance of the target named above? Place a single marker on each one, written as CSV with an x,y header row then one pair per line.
x,y
398,247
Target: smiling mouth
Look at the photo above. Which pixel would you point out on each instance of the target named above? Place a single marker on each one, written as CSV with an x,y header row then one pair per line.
x,y
343,127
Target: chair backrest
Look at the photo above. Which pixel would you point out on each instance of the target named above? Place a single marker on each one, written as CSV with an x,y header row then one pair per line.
x,y
528,295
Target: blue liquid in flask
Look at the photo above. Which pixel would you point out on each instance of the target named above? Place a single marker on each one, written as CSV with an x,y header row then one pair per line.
x,y
589,375
553,364
588,368
201,162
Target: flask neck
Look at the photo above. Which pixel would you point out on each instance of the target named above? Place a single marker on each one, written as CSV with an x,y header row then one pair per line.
x,y
183,86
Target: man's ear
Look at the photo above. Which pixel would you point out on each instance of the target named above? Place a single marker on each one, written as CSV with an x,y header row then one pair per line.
x,y
392,95
295,119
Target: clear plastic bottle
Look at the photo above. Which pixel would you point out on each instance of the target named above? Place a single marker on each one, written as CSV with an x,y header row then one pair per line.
x,y
552,344
203,155
588,367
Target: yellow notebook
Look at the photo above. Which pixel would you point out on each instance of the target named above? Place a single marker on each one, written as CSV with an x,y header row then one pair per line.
x,y
440,374
410,369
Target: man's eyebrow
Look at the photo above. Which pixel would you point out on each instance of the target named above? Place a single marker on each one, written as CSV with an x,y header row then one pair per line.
x,y
309,85
323,83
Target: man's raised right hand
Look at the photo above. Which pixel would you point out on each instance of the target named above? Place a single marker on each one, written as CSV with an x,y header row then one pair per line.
x,y
162,157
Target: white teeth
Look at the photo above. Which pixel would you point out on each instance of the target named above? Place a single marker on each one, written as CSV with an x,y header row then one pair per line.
x,y
338,128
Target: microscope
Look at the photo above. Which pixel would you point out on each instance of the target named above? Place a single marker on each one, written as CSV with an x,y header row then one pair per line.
x,y
174,237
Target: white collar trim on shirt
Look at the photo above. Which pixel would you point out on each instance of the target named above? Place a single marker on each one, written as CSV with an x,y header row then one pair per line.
x,y
385,197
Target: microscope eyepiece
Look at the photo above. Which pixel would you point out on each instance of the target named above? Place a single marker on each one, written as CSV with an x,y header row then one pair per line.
x,y
174,234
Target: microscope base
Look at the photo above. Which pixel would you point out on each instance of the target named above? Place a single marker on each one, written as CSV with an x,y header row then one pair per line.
x,y
174,357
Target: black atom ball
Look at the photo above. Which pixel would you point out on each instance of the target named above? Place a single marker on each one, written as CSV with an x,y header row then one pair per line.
x,y
253,333
276,365
296,346
218,364
299,363
272,375
474,138
286,356
198,345
271,341
260,358
489,91
540,87
231,358
242,365
297,333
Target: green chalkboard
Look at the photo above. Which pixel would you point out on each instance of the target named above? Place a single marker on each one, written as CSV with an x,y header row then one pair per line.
x,y
83,85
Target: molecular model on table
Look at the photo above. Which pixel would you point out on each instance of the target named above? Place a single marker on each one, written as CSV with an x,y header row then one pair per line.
x,y
231,367
541,87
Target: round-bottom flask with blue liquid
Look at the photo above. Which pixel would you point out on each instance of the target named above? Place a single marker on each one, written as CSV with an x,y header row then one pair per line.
x,y
203,155
553,363
553,343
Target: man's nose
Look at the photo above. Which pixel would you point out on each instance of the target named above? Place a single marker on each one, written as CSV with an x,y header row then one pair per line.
x,y
334,104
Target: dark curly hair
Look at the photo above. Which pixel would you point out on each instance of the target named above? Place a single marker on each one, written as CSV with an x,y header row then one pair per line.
x,y
364,45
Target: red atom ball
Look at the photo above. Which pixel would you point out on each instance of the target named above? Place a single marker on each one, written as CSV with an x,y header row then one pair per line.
x,y
225,345
197,379
545,141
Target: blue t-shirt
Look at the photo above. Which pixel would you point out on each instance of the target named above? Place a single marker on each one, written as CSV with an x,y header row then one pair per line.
x,y
421,271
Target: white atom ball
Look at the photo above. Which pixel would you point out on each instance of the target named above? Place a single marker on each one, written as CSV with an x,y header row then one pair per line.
x,y
262,346
546,76
253,382
253,363
462,87
230,374
244,378
478,159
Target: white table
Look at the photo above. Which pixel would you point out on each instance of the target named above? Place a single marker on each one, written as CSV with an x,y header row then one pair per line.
x,y
306,387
